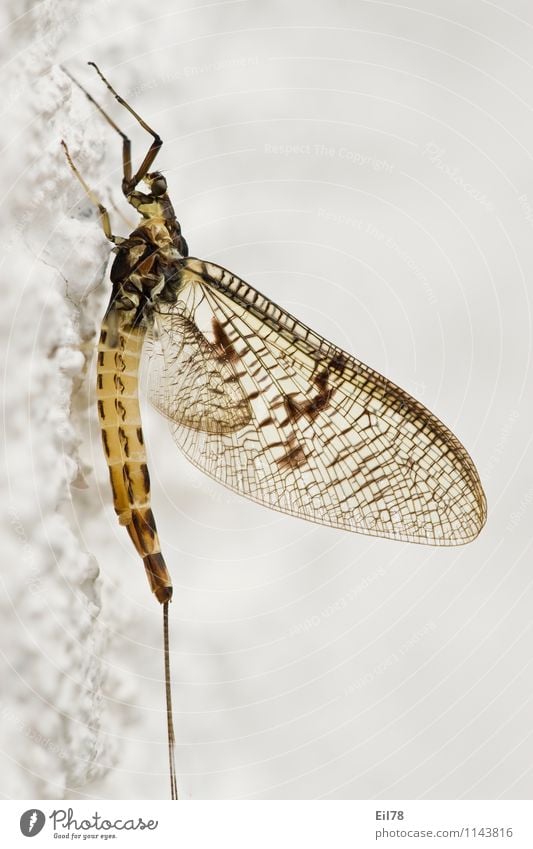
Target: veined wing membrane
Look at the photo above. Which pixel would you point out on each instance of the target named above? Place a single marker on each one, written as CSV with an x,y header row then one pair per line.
x,y
316,433
191,381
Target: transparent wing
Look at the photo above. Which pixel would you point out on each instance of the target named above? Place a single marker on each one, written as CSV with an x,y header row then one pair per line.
x,y
271,410
191,381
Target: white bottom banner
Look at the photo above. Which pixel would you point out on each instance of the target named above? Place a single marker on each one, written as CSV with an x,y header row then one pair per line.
x,y
270,824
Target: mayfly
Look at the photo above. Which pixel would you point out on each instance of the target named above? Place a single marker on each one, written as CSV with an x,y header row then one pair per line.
x,y
256,400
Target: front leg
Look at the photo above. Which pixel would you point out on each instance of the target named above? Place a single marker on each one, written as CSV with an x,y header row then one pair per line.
x,y
106,223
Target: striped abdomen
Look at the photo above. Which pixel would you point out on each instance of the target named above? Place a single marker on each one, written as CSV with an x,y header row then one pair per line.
x,y
119,352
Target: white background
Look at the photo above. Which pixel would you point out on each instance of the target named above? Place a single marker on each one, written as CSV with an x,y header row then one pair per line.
x,y
369,166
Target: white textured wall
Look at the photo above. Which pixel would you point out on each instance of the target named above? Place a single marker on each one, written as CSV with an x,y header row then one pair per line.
x,y
370,167
54,673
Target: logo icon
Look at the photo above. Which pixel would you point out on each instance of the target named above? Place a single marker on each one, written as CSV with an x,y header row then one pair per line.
x,y
32,822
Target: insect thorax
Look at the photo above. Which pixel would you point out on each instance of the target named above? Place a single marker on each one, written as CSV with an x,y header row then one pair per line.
x,y
146,267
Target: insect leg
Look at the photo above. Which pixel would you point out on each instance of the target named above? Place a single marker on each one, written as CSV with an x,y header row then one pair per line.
x,y
129,184
106,224
126,143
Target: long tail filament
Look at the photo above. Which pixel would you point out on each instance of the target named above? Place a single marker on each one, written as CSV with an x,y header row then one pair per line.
x,y
168,691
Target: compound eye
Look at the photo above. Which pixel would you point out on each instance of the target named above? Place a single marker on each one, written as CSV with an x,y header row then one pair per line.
x,y
159,186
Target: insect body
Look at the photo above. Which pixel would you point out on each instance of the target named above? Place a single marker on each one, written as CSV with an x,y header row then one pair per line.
x,y
139,274
258,401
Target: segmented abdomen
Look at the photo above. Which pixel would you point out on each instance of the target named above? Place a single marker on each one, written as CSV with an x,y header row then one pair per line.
x,y
119,352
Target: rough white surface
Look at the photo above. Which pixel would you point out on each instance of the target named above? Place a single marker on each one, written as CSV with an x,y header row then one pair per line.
x,y
368,166
53,642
